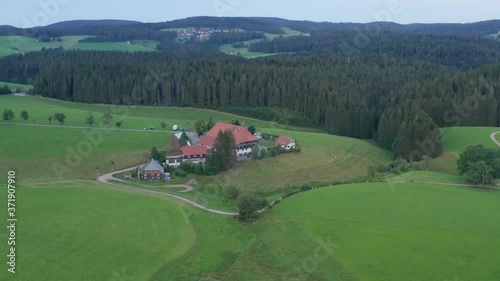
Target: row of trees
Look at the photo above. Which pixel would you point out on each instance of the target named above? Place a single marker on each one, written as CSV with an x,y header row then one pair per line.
x,y
8,114
106,119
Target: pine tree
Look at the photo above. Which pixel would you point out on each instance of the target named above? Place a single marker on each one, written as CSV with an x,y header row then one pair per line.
x,y
225,150
418,136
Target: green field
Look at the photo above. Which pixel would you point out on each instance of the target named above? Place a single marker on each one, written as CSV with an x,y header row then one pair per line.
x,y
95,234
323,158
457,139
19,44
243,51
13,86
133,117
360,232
112,46
288,32
389,232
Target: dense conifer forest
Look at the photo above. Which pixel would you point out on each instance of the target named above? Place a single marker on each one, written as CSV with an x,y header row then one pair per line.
x,y
397,88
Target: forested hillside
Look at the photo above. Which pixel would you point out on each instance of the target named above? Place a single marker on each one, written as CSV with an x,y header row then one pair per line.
x,y
397,87
338,93
452,51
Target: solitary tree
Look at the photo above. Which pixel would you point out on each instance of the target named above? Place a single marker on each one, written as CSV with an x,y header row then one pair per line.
x,y
251,129
255,152
106,118
5,90
480,173
200,126
119,124
472,154
25,115
155,154
426,161
210,123
50,119
248,204
225,150
173,146
163,125
416,129
90,120
232,191
8,114
60,117
184,139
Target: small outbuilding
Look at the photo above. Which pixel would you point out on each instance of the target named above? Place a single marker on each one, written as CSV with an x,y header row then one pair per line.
x,y
285,142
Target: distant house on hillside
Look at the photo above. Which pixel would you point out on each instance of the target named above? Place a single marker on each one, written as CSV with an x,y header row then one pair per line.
x,y
152,171
285,142
245,141
196,154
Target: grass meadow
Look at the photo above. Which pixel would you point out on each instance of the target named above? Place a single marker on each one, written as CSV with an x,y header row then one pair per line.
x,y
133,117
457,139
20,44
243,51
354,232
14,87
391,232
96,234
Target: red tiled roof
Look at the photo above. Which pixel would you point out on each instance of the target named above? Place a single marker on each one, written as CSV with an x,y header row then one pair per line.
x,y
283,140
241,134
194,150
207,141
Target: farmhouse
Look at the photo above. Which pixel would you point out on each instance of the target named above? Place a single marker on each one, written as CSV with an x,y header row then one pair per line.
x,y
152,171
245,141
196,154
285,142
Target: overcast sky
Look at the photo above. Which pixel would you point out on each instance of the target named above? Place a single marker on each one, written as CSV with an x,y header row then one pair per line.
x,y
27,13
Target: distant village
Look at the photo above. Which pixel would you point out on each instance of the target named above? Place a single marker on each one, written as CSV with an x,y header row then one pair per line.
x,y
202,33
